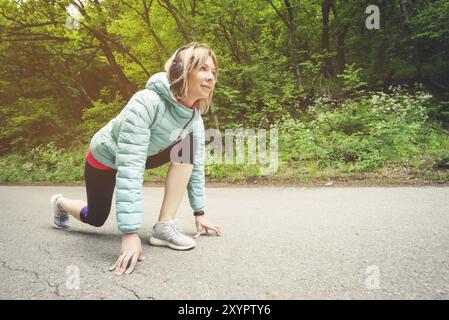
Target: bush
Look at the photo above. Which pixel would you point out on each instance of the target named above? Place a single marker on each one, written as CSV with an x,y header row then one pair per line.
x,y
43,163
359,135
368,132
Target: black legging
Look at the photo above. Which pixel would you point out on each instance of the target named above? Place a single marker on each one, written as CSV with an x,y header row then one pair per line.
x,y
100,184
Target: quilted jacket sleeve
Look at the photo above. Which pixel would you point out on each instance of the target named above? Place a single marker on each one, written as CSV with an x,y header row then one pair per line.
x,y
196,187
131,153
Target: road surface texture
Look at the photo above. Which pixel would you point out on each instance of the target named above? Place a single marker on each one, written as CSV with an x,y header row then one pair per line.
x,y
278,243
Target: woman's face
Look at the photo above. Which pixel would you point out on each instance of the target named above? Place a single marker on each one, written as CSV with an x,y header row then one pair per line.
x,y
202,81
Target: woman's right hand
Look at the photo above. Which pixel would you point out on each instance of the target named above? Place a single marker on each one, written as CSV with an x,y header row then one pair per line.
x,y
130,253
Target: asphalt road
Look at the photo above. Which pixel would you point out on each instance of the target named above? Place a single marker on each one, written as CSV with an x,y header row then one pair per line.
x,y
278,243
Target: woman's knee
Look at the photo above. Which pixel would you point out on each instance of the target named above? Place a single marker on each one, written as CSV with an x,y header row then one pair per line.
x,y
98,223
96,218
183,169
182,166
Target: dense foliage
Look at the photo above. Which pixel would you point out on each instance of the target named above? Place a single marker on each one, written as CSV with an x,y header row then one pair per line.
x,y
343,96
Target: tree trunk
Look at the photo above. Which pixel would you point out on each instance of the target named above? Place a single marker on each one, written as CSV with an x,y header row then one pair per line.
x,y
214,116
172,10
327,70
416,52
294,43
145,15
125,86
290,23
193,7
341,57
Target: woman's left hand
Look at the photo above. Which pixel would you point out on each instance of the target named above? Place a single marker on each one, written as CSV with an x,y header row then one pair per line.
x,y
202,225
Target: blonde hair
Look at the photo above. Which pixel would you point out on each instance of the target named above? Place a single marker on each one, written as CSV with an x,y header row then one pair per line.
x,y
193,56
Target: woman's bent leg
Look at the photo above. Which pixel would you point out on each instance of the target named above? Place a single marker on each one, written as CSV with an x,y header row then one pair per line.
x,y
100,186
178,176
72,207
165,232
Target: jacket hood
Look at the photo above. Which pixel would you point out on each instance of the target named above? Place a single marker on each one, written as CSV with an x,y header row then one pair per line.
x,y
158,83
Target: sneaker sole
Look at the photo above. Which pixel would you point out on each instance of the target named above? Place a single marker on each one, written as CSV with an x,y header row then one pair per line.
x,y
164,243
53,205
60,227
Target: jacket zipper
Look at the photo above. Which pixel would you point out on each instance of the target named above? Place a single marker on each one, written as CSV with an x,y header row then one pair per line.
x,y
193,115
177,139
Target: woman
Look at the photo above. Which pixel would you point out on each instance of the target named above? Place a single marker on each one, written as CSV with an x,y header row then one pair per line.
x,y
159,124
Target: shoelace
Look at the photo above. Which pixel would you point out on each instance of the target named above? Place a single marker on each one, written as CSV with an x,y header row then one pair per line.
x,y
172,229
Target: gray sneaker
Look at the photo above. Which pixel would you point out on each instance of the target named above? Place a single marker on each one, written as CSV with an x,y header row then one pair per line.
x,y
61,218
167,234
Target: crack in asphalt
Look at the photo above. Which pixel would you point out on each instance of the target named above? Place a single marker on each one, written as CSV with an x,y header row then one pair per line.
x,y
46,251
36,293
131,290
56,286
37,278
4,265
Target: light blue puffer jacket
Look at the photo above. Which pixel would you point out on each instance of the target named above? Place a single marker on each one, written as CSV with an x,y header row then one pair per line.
x,y
143,128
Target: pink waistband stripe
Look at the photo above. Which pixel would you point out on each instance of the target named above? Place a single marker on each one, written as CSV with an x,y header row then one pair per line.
x,y
94,163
